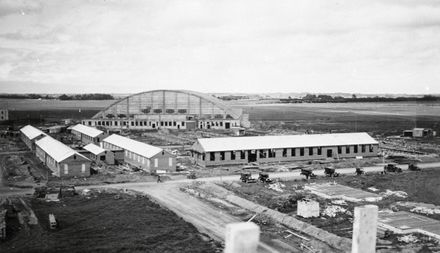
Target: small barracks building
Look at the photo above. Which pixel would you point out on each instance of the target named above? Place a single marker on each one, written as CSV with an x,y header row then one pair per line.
x,y
30,135
61,159
87,134
141,155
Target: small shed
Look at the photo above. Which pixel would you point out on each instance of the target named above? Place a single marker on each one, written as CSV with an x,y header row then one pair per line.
x,y
99,154
308,208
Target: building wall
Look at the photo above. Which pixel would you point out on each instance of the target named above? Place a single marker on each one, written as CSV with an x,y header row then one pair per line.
x,y
285,155
27,141
74,167
4,114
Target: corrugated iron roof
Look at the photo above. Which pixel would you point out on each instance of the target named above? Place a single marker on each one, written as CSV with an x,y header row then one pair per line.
x,y
56,149
283,141
94,149
89,131
31,132
137,147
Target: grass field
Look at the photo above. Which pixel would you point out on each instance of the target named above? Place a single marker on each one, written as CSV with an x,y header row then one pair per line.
x,y
378,118
105,224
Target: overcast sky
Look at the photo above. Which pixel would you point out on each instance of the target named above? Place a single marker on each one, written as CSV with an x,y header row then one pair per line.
x,y
72,46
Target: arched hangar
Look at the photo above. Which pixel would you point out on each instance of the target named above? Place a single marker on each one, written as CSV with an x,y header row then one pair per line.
x,y
173,109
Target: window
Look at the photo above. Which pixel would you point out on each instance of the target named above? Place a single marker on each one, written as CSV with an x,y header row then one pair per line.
x,y
292,152
310,151
212,156
203,157
66,169
242,154
183,123
339,150
83,168
132,123
363,148
284,152
232,155
156,162
355,148
272,153
262,153
319,151
347,149
170,161
222,155
371,148
161,123
301,151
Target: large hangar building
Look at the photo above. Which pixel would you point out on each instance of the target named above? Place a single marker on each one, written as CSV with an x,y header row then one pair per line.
x,y
172,109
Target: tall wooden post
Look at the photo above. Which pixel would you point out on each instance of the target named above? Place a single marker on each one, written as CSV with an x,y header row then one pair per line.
x,y
242,237
364,229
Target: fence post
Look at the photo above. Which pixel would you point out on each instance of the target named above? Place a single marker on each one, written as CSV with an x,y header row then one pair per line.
x,y
364,229
242,237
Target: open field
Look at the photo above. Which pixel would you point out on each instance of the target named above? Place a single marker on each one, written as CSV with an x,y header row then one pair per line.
x,y
105,223
379,118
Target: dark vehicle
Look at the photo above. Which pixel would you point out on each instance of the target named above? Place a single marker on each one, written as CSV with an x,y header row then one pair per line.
x,y
264,178
308,172
246,177
413,167
330,172
391,167
359,171
192,175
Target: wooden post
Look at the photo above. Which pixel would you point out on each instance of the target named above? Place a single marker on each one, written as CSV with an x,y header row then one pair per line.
x,y
364,229
242,237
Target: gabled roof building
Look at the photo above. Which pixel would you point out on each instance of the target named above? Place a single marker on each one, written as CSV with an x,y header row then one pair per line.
x,y
30,134
140,154
62,160
243,150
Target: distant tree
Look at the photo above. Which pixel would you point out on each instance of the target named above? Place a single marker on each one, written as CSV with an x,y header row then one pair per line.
x,y
64,97
353,96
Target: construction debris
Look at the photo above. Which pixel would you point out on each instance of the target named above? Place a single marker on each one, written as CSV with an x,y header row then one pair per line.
x,y
398,194
277,187
408,239
333,211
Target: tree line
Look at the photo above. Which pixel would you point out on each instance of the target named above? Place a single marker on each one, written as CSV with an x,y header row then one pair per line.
x,y
94,96
311,98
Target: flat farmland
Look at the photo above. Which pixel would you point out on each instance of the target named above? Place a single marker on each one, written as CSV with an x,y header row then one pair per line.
x,y
386,118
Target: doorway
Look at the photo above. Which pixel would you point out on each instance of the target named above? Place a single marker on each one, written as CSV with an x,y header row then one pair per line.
x,y
252,156
227,125
329,152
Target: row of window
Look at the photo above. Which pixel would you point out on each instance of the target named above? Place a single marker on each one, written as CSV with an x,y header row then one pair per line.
x,y
152,124
270,153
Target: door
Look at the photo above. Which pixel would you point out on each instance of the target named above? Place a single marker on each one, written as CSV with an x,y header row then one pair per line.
x,y
83,168
227,125
252,156
329,152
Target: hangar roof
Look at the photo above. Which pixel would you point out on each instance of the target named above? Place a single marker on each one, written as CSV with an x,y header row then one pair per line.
x,y
89,131
56,149
94,149
31,132
282,141
140,148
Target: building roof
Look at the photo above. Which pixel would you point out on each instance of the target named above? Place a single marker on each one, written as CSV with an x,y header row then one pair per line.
x,y
137,147
56,149
89,131
283,141
94,149
31,132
